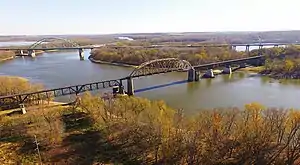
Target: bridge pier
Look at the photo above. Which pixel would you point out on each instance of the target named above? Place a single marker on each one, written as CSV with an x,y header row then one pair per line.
x,y
227,70
130,87
22,108
247,48
197,75
209,74
260,47
21,52
31,53
191,75
81,54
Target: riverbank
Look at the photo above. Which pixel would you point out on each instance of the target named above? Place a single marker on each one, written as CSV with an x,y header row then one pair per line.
x,y
256,69
111,63
6,59
6,55
281,75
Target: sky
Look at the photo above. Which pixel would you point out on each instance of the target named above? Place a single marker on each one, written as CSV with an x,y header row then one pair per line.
x,y
47,17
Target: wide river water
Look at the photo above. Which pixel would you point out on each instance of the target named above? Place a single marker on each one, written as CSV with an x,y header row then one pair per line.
x,y
60,69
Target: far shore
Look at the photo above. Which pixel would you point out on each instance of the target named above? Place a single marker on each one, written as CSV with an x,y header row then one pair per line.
x,y
111,63
6,59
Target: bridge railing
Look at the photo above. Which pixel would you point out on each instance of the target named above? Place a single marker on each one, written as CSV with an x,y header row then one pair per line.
x,y
13,101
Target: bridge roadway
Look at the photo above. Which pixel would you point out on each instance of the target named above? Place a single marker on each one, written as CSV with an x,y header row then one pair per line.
x,y
228,63
46,95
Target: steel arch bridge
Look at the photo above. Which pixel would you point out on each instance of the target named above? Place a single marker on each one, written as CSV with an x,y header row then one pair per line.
x,y
41,41
161,66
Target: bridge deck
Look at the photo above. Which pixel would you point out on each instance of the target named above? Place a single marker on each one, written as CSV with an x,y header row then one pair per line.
x,y
228,62
31,97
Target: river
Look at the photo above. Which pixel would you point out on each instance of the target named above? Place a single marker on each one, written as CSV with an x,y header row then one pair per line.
x,y
58,69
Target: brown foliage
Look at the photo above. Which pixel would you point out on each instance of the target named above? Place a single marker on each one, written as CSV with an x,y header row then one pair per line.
x,y
136,56
155,133
6,55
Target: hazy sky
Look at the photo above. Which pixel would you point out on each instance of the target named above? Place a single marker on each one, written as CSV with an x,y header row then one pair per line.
x,y
127,16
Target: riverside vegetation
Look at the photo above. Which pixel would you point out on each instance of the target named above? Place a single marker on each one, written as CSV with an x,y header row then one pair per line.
x,y
6,55
132,130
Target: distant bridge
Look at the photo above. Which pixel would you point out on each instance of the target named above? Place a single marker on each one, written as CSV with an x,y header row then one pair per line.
x,y
38,45
153,67
75,46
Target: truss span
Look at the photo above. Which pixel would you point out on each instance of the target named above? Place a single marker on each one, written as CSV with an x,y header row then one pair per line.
x,y
51,39
161,66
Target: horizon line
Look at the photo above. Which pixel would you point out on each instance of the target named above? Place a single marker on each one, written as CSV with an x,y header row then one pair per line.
x,y
132,33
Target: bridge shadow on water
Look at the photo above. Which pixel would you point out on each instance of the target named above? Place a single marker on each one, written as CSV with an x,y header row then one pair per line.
x,y
160,86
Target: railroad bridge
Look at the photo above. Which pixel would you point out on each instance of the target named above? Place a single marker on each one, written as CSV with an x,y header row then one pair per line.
x,y
153,67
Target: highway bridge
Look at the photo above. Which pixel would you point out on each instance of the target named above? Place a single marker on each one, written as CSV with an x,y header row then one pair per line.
x,y
72,45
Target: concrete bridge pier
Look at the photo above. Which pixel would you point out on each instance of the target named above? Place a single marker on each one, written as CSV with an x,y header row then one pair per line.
x,y
31,53
21,52
121,88
227,70
260,47
209,74
22,108
197,75
81,54
247,48
130,87
191,75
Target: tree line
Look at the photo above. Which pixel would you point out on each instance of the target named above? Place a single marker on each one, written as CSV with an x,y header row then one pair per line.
x,y
196,56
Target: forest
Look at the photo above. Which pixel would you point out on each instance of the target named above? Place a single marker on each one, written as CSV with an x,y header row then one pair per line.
x,y
132,130
275,66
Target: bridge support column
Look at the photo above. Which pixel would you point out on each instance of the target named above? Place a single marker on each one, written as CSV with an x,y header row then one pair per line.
x,y
191,75
209,74
233,47
31,53
22,108
227,70
81,54
247,48
260,47
121,90
197,75
130,87
21,52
